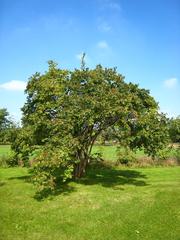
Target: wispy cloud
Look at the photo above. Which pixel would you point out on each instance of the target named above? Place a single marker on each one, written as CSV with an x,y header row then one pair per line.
x,y
114,5
111,4
171,83
104,27
14,85
103,45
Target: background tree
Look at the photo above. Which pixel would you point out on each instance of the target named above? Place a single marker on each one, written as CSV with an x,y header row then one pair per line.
x,y
4,121
174,129
7,127
66,111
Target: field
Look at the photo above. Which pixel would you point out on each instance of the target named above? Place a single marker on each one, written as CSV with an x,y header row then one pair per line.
x,y
109,153
109,203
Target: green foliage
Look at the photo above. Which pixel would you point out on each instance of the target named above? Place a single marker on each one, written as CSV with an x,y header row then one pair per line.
x,y
171,152
68,110
4,122
125,156
165,153
151,133
49,166
22,146
107,135
174,130
148,132
7,127
96,158
177,155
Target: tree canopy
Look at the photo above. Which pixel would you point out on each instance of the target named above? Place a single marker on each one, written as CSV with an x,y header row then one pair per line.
x,y
66,111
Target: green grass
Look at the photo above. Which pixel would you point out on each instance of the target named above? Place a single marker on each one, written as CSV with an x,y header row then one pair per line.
x,y
5,155
110,152
5,150
109,203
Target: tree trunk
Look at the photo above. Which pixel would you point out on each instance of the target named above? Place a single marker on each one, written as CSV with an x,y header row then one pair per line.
x,y
80,167
83,157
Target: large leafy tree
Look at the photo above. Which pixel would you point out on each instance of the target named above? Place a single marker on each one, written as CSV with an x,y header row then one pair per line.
x,y
66,111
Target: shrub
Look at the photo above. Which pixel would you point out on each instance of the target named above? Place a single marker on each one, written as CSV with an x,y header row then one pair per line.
x,y
164,154
125,156
96,158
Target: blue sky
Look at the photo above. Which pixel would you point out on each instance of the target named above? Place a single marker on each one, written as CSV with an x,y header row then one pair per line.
x,y
140,37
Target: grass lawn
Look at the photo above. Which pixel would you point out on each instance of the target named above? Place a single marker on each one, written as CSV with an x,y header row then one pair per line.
x,y
110,152
5,149
109,203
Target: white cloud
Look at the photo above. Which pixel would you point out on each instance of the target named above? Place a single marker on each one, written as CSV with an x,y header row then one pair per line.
x,y
14,85
171,83
102,45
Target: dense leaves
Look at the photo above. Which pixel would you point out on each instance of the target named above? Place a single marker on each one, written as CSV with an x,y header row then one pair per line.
x,y
174,129
66,111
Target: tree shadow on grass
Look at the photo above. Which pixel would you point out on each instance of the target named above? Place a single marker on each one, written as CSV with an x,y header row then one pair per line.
x,y
109,176
2,183
101,174
61,188
26,178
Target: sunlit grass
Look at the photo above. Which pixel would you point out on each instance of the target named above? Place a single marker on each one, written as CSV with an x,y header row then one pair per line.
x,y
5,149
109,153
109,203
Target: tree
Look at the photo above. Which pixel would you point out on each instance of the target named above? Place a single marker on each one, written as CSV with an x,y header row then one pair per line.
x,y
4,122
174,129
6,127
66,111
